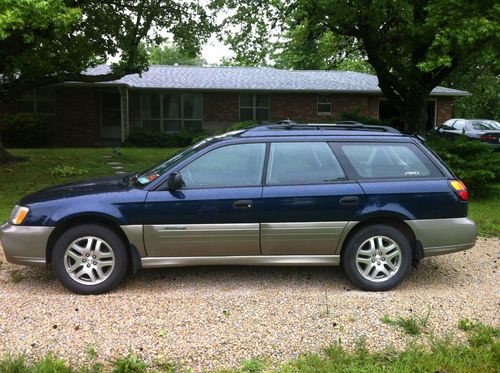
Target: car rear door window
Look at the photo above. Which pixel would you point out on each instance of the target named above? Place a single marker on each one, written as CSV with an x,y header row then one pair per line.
x,y
302,163
229,166
384,160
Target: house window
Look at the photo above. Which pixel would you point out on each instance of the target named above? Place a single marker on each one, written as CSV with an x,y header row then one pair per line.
x,y
36,101
254,107
172,111
324,105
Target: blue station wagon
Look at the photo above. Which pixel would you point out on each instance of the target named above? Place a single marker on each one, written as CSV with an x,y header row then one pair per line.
x,y
368,198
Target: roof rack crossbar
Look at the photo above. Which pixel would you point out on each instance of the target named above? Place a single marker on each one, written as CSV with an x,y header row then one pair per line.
x,y
347,125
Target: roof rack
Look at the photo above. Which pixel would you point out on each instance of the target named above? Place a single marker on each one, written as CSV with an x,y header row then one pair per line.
x,y
340,125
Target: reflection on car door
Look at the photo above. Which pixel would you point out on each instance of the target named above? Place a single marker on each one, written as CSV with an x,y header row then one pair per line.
x,y
216,213
307,200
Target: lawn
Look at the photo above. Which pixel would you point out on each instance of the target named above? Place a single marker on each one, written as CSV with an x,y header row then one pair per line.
x,y
46,167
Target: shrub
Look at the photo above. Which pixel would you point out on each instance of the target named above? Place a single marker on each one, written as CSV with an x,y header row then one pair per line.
x,y
242,125
146,138
476,164
27,131
356,116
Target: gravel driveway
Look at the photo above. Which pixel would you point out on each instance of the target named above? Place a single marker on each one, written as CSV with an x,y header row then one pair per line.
x,y
213,317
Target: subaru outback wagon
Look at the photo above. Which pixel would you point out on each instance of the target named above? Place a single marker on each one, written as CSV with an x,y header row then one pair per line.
x,y
368,198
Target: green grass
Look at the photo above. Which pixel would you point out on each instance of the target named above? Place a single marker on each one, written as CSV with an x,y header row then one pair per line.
x,y
412,325
47,167
486,213
480,354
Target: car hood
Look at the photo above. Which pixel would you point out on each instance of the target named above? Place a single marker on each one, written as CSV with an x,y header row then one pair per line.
x,y
82,188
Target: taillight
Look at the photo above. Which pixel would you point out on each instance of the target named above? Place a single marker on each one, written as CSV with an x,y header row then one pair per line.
x,y
460,189
488,138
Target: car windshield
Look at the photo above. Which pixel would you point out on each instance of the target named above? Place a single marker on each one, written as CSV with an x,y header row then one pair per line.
x,y
485,125
148,176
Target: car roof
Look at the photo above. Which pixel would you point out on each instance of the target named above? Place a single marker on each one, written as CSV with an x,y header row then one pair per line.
x,y
337,129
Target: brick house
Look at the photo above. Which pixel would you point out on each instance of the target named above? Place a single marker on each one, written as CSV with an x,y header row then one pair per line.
x,y
169,98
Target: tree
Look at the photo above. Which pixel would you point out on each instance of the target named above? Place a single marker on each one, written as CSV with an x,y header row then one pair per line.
x,y
52,41
171,54
482,80
412,45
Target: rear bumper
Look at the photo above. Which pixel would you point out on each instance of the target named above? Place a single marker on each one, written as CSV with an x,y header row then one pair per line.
x,y
25,245
444,236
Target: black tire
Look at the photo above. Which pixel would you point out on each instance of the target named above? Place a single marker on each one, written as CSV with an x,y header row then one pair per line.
x,y
112,243
362,237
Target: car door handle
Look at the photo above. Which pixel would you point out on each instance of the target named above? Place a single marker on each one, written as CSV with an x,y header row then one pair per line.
x,y
351,200
243,204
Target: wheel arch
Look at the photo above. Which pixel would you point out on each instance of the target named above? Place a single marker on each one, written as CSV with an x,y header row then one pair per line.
x,y
393,220
134,259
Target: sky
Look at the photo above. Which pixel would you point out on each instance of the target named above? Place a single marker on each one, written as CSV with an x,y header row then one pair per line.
x,y
214,50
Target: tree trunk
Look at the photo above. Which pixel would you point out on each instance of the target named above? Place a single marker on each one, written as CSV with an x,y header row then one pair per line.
x,y
5,156
414,114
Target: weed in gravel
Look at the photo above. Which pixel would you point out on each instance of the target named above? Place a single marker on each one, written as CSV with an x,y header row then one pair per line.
x,y
162,333
129,364
412,325
1,264
91,352
166,367
480,334
253,366
45,276
226,313
16,276
13,364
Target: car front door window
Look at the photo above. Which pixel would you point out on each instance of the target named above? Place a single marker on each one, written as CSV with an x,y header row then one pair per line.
x,y
237,165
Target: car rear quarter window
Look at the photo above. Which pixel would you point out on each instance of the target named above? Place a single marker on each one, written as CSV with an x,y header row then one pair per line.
x,y
389,160
292,163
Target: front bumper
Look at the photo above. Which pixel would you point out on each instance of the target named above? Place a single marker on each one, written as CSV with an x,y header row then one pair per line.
x,y
25,245
444,236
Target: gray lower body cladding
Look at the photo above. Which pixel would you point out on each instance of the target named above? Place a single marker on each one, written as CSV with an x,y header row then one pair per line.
x,y
307,243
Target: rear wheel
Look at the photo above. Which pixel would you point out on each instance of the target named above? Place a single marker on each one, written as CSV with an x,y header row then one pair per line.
x,y
89,259
377,257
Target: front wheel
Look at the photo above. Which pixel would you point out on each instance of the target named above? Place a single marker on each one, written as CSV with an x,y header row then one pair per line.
x,y
377,257
89,259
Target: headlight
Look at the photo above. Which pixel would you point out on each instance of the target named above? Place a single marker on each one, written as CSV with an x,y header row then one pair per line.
x,y
18,214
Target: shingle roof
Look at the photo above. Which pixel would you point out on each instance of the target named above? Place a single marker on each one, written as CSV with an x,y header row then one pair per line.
x,y
255,79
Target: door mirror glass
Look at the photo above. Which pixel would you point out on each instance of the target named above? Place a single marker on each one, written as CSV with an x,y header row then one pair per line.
x,y
175,181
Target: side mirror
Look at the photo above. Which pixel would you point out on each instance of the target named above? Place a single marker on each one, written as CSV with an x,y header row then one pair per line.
x,y
174,181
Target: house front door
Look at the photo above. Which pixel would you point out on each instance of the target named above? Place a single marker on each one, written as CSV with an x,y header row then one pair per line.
x,y
110,115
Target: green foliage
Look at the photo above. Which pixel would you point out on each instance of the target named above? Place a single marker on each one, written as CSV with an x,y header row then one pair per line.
x,y
129,364
67,171
412,325
16,276
443,355
480,334
476,164
253,366
242,125
43,42
411,45
482,80
146,138
355,116
27,131
486,213
171,54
